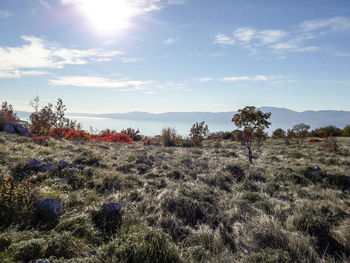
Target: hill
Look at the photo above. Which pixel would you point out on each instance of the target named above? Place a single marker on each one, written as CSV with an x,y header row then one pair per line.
x,y
76,201
280,118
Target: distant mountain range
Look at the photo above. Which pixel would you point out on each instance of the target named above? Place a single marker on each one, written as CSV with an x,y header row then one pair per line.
x,y
280,118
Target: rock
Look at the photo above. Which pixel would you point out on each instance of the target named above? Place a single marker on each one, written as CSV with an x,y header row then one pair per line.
x,y
38,166
63,164
48,209
144,161
9,128
187,164
22,130
281,168
158,144
245,251
42,261
16,128
111,208
117,185
317,169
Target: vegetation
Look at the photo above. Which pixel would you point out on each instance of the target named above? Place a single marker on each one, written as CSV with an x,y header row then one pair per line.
x,y
7,114
93,198
198,132
49,117
253,121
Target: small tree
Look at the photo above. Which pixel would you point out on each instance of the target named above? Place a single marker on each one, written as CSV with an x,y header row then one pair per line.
x,y
169,137
7,114
49,117
346,131
253,121
279,133
301,129
198,132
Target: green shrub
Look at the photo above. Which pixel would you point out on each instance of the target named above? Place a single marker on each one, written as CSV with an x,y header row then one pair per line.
x,y
29,250
5,242
61,246
197,206
169,137
87,158
139,243
270,255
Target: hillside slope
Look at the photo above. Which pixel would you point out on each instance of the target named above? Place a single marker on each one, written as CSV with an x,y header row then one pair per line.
x,y
177,204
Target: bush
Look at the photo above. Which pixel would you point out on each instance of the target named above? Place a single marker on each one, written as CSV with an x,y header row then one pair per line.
x,y
198,132
87,158
61,246
169,137
114,137
134,135
194,207
330,144
346,131
16,201
279,133
139,243
7,115
5,242
78,135
29,250
49,117
326,131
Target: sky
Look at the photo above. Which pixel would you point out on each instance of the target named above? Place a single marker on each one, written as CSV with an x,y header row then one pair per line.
x,y
106,56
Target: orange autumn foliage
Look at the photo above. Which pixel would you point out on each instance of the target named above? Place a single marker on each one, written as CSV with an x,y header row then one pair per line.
x,y
78,135
114,137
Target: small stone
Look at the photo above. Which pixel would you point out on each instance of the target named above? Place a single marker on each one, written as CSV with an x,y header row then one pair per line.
x,y
187,164
317,169
281,168
48,209
158,144
245,251
112,208
42,261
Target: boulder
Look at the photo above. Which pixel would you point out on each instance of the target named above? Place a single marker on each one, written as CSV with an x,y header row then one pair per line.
x,y
144,161
9,128
16,128
48,209
111,208
22,130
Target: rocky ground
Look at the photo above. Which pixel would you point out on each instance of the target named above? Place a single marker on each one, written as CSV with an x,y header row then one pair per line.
x,y
73,201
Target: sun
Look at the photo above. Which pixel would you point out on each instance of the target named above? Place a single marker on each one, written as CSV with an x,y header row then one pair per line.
x,y
109,16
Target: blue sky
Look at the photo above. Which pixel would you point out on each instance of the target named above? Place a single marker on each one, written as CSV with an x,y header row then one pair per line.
x,y
104,56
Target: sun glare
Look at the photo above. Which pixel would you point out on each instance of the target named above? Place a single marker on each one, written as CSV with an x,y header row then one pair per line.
x,y
109,16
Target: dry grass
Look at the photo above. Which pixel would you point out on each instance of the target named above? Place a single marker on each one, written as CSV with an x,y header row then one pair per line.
x,y
185,204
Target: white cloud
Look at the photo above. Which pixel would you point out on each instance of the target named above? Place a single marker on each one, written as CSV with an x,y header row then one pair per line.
x,y
334,24
224,40
271,36
97,82
169,41
131,59
39,54
244,34
19,73
5,14
205,79
281,41
245,78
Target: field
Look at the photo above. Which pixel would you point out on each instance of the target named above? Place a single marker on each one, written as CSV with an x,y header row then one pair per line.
x,y
204,204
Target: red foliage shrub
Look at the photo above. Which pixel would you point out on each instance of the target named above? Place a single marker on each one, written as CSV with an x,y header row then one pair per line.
x,y
59,132
114,137
78,135
314,140
40,138
148,142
